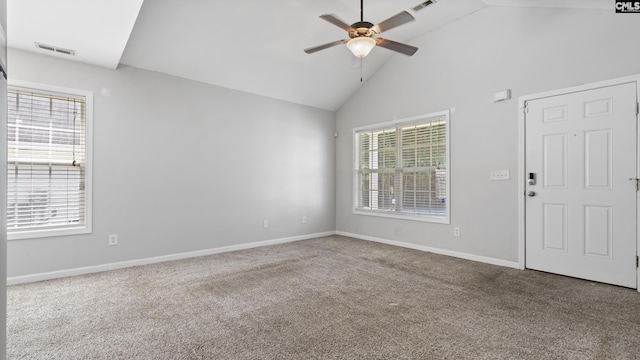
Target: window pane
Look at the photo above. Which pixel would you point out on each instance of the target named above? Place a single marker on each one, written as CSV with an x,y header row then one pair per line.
x,y
387,139
408,181
425,191
409,157
386,184
423,155
423,180
387,158
409,201
363,190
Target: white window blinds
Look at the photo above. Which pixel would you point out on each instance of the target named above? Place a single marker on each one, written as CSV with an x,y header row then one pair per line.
x,y
402,170
46,160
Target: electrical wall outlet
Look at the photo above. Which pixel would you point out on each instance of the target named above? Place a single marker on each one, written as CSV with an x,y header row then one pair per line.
x,y
265,223
304,219
456,231
113,239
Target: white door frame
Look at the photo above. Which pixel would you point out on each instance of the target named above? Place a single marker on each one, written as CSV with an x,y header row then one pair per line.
x,y
522,163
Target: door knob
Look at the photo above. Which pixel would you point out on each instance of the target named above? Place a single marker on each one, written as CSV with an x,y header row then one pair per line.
x,y
531,193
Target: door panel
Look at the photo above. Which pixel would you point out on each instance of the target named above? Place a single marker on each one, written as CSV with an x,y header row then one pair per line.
x,y
581,219
597,234
555,227
555,161
597,153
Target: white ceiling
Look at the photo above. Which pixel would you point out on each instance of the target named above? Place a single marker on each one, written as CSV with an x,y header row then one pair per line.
x,y
575,4
96,30
250,45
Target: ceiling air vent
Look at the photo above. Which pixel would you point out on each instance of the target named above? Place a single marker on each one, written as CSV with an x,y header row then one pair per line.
x,y
423,5
55,49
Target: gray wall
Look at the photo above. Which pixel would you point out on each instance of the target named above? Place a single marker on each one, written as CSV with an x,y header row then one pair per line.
x,y
460,66
182,166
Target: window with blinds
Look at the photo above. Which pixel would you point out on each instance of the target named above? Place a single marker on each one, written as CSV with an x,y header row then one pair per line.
x,y
401,169
47,165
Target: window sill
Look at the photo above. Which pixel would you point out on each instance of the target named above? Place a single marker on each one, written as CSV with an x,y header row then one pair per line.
x,y
34,234
405,216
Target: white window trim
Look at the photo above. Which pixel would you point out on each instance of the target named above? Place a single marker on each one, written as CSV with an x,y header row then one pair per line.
x,y
87,228
424,218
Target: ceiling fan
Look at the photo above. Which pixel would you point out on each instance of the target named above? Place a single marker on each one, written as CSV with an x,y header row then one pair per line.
x,y
362,34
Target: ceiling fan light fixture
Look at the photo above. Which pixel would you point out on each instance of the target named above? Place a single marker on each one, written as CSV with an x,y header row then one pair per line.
x,y
361,46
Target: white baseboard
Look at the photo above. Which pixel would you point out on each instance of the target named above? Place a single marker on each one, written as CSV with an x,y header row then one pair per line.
x,y
472,257
146,261
125,264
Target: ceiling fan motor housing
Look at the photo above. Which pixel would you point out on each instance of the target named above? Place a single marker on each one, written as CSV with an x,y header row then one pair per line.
x,y
362,28
362,34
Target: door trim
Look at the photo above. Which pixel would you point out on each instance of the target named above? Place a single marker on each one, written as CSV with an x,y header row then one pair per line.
x,y
522,163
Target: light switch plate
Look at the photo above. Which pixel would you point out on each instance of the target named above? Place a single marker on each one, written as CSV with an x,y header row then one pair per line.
x,y
499,174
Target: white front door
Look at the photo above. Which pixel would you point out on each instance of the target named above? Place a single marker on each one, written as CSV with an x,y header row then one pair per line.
x,y
581,211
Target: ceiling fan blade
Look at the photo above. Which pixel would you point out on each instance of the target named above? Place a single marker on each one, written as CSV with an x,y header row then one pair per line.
x,y
396,46
394,21
324,46
335,20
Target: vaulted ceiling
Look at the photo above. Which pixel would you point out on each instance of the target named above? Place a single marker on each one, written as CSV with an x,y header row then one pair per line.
x,y
254,46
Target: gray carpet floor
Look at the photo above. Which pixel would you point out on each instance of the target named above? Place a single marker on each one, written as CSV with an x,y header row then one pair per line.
x,y
326,298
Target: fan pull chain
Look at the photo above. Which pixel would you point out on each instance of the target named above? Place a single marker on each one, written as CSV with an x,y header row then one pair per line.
x,y
361,66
